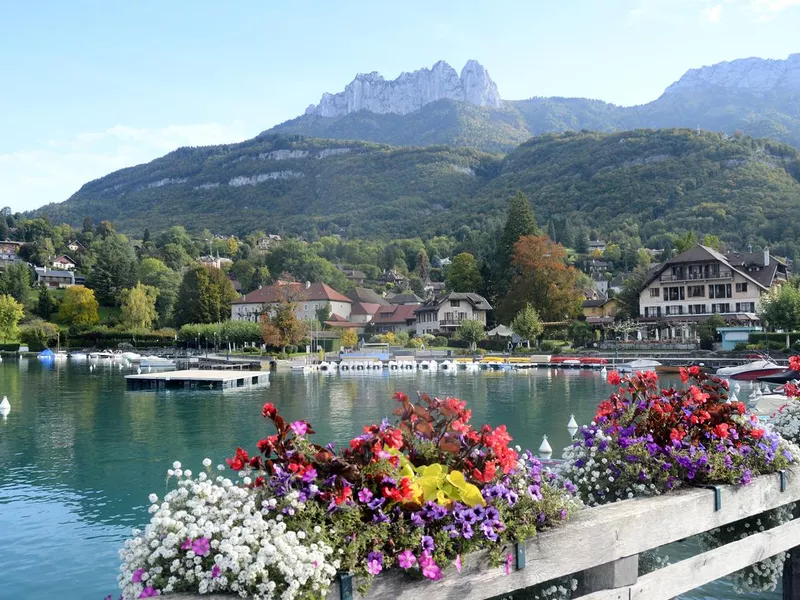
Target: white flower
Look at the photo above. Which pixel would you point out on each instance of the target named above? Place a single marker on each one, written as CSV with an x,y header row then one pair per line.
x,y
176,465
206,462
153,498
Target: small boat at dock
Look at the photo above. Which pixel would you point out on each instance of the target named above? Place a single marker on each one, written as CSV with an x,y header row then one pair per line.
x,y
752,370
642,364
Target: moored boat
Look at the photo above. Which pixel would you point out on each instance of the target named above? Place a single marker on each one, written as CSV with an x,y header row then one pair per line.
x,y
641,364
752,370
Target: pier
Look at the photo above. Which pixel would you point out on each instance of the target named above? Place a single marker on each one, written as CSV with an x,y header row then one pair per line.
x,y
197,379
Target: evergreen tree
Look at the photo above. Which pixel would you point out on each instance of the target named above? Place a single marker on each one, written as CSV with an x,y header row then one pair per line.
x,y
114,270
205,296
462,275
520,222
15,281
146,235
423,265
45,305
88,225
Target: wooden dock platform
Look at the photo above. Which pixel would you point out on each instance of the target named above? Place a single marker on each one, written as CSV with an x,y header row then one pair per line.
x,y
197,379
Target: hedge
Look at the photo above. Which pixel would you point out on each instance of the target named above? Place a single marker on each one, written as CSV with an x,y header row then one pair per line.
x,y
9,347
755,338
491,345
105,337
236,332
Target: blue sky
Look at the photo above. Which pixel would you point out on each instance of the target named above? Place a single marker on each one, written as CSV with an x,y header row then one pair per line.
x,y
93,86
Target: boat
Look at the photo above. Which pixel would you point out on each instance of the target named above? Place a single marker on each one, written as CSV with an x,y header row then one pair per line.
x,y
46,355
428,365
593,362
752,370
60,355
780,378
78,356
131,356
565,362
448,365
677,368
156,362
642,364
110,356
327,366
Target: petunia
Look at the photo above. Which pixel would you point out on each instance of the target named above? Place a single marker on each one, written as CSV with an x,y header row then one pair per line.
x,y
427,543
299,427
201,546
137,575
458,563
365,495
374,563
406,559
215,572
431,571
149,592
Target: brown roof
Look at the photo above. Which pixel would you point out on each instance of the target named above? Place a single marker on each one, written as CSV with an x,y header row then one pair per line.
x,y
477,301
279,292
364,308
361,294
397,313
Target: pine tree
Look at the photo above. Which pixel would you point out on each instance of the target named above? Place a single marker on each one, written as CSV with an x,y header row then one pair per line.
x,y
519,222
45,305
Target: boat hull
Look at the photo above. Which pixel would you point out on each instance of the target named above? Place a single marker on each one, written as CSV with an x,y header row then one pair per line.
x,y
755,374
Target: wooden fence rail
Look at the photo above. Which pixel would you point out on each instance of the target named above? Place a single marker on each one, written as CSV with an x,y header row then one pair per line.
x,y
600,546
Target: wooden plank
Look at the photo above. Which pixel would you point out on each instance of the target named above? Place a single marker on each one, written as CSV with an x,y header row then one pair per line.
x,y
611,575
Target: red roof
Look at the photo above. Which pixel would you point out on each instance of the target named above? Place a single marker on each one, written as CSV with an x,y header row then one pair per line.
x,y
364,308
397,313
297,292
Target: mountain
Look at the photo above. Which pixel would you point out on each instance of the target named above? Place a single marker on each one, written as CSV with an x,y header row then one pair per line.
x,y
747,191
757,96
411,91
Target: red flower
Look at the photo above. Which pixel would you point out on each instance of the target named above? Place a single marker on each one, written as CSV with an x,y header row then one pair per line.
x,y
238,462
684,375
344,495
694,371
488,474
613,378
794,363
498,437
267,445
721,430
255,462
757,433
677,434
400,396
393,438
791,389
259,481
268,410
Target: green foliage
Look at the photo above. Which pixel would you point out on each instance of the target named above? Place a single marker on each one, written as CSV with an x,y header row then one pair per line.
x,y
139,306
205,296
155,273
45,303
38,333
15,281
520,222
349,338
780,307
463,275
707,331
580,333
79,306
110,337
471,331
282,328
438,341
11,312
115,268
527,323
237,332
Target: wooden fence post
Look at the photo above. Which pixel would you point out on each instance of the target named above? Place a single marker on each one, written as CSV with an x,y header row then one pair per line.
x,y
614,574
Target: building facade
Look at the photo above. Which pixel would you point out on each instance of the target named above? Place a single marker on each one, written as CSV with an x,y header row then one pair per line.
x,y
308,299
445,314
701,282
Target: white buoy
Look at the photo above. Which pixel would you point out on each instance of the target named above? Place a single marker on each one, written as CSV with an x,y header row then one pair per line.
x,y
139,370
572,426
149,369
5,407
91,368
732,398
736,387
604,371
545,450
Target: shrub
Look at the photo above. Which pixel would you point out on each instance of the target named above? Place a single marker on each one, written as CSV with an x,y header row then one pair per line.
x,y
439,340
251,350
547,346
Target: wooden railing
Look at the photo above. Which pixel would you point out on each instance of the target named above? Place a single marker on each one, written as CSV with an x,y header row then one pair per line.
x,y
600,547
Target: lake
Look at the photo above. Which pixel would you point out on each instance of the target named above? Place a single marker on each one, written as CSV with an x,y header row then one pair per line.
x,y
79,454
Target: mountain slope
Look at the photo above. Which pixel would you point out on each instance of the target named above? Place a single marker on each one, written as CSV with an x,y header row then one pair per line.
x,y
739,188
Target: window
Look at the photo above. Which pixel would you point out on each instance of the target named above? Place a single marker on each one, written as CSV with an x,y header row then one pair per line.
x,y
748,307
455,303
696,291
674,293
655,292
722,290
697,309
741,287
721,308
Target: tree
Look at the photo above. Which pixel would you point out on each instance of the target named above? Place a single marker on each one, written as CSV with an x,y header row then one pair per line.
x,y
79,306
348,338
45,305
543,279
579,332
11,312
520,222
146,235
685,241
423,265
88,225
205,296
155,273
115,268
471,331
282,328
628,297
139,306
15,281
707,331
415,285
463,275
38,333
780,308
323,313
527,324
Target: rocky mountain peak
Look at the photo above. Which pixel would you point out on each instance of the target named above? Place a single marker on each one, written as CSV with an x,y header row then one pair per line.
x,y
749,74
411,91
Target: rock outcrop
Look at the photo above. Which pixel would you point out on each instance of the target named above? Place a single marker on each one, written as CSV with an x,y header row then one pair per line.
x,y
411,91
749,74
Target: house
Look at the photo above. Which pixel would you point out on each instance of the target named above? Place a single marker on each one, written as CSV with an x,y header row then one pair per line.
x,y
54,279
445,314
237,286
269,241
393,277
405,298
432,288
357,277
600,285
701,281
76,246
308,297
64,263
597,246
600,311
362,294
444,262
218,262
10,248
395,318
363,312
616,283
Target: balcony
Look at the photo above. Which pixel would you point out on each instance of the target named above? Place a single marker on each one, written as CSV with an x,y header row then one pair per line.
x,y
450,322
721,274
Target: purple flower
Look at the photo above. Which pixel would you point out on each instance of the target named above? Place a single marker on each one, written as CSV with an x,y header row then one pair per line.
x,y
374,563
488,530
137,575
187,545
376,503
365,495
416,520
299,427
429,568
562,514
427,543
201,546
215,572
309,475
466,531
149,592
406,559
380,517
746,477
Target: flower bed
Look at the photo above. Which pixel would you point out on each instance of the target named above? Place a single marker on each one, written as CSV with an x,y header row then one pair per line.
x,y
418,495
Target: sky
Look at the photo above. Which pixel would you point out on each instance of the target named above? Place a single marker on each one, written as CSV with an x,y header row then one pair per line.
x,y
89,87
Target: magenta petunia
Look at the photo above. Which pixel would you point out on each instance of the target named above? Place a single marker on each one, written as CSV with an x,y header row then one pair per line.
x,y
299,427
201,546
137,575
149,592
458,563
365,495
432,571
406,559
215,572
374,563
187,545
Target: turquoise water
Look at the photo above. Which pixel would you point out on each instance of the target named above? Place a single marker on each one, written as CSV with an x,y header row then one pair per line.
x,y
79,454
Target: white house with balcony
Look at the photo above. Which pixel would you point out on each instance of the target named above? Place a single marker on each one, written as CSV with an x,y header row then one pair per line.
x,y
307,297
445,313
700,282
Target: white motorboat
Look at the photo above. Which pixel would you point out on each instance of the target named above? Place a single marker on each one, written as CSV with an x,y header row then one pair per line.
x,y
60,355
107,356
642,364
156,362
78,356
752,370
131,356
448,365
428,365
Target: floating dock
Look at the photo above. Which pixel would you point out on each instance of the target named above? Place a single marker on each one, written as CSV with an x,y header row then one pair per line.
x,y
193,379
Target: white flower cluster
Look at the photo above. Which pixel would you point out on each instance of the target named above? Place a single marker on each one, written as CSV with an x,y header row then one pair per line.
x,y
209,536
787,422
558,589
762,576
595,479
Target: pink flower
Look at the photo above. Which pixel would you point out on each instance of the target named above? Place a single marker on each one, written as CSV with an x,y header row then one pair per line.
x,y
508,564
458,563
149,592
201,546
374,563
137,575
365,495
215,572
187,545
299,427
431,571
406,559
